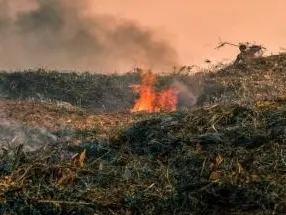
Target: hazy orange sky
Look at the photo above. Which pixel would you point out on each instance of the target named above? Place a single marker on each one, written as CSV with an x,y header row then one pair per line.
x,y
118,35
194,27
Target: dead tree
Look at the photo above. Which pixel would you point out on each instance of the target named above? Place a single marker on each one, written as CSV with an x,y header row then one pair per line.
x,y
247,51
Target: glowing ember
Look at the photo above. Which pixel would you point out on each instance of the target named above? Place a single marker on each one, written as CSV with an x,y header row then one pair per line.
x,y
151,101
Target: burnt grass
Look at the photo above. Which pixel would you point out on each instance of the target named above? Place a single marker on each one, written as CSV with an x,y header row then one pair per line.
x,y
224,155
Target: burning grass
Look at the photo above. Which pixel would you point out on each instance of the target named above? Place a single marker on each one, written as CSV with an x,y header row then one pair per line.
x,y
226,155
112,93
152,101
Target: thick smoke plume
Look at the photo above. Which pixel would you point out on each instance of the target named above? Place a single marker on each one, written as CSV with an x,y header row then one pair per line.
x,y
62,34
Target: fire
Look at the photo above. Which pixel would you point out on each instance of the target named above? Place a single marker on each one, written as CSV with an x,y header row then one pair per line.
x,y
151,101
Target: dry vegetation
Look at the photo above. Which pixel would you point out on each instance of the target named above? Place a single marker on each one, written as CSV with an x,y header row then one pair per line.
x,y
225,155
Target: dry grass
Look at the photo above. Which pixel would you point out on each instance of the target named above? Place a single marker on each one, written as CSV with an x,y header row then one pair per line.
x,y
225,155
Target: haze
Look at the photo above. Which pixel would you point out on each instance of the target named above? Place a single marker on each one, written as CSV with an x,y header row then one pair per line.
x,y
195,26
109,35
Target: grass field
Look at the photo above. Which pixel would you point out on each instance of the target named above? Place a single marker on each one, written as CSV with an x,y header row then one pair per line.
x,y
69,144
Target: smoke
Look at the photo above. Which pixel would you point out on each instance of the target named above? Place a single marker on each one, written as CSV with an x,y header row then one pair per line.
x,y
189,90
12,134
62,34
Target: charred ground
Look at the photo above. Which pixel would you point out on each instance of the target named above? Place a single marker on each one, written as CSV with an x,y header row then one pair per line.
x,y
223,155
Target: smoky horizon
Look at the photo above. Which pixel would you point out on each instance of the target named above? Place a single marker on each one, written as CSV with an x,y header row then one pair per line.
x,y
116,36
56,34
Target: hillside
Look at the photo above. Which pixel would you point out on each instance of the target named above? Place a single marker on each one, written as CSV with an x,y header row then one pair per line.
x,y
95,91
261,79
71,146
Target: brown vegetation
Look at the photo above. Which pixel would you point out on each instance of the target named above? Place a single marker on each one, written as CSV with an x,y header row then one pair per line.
x,y
224,155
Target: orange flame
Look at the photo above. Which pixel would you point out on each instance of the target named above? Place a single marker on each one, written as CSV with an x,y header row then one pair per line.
x,y
151,101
